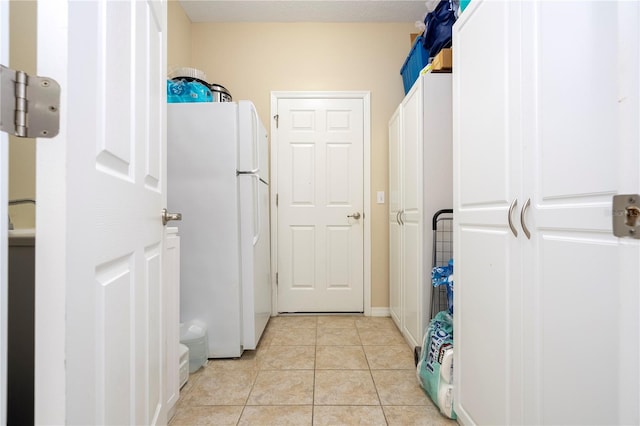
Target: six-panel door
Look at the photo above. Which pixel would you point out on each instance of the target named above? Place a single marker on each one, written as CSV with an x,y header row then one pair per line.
x,y
320,193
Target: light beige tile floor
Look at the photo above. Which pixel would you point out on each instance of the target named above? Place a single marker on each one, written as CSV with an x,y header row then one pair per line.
x,y
313,370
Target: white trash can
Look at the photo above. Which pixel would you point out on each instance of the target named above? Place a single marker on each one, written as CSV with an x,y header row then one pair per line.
x,y
193,334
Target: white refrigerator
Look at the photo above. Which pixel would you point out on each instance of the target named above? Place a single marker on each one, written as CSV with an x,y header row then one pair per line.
x,y
218,178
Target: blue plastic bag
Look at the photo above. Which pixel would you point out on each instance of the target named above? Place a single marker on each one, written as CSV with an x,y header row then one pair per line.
x,y
182,91
443,275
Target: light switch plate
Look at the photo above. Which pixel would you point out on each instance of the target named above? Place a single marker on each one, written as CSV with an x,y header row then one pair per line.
x,y
380,197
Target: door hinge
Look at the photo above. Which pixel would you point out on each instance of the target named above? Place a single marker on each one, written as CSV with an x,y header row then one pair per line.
x,y
277,118
29,105
276,278
276,200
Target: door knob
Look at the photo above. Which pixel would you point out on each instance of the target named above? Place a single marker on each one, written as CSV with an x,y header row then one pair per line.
x,y
356,215
166,216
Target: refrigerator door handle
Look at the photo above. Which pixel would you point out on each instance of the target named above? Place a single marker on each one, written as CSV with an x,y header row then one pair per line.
x,y
254,172
255,134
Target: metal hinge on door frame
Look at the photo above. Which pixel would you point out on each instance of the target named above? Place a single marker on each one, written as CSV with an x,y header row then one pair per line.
x,y
29,105
276,278
277,118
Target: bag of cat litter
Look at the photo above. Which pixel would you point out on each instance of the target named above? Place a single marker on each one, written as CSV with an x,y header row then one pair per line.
x,y
437,355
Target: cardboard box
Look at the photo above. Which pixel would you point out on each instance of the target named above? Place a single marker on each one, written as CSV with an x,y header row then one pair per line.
x,y
413,37
442,61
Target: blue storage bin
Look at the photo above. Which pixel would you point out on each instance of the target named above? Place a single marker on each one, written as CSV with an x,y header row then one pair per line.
x,y
418,58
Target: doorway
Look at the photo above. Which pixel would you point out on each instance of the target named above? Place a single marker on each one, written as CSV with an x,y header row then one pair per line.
x,y
320,157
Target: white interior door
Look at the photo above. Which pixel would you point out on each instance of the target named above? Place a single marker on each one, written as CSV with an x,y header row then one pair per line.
x,y
100,190
320,185
4,200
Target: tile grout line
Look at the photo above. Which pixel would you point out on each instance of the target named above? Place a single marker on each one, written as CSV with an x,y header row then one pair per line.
x,y
259,366
315,366
373,381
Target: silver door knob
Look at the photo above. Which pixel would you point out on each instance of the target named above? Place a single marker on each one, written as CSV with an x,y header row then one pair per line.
x,y
166,216
356,215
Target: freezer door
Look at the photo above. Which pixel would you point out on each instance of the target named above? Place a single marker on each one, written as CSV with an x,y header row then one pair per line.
x,y
253,149
263,152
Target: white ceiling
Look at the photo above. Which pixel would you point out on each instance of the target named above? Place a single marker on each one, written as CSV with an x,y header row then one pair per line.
x,y
305,10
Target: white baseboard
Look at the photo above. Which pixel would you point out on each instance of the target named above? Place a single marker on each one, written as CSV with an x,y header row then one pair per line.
x,y
380,312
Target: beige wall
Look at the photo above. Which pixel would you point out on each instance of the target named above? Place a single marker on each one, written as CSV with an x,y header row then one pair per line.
x,y
252,59
179,37
22,152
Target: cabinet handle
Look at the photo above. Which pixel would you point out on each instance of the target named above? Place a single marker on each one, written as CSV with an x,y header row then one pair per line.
x,y
398,217
522,213
513,205
401,220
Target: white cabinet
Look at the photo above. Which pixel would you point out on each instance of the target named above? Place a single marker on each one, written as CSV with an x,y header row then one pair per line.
x,y
420,169
395,231
171,297
545,133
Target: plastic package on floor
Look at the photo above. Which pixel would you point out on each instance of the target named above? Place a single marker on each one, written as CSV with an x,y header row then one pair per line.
x,y
435,367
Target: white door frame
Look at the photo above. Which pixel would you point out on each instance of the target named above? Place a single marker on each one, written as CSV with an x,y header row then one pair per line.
x,y
366,178
4,225
51,224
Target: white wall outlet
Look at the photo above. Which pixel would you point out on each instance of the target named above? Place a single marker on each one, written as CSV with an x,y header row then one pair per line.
x,y
380,197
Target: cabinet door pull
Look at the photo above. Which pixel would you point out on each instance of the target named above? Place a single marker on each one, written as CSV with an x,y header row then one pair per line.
x,y
522,213
398,217
401,220
513,205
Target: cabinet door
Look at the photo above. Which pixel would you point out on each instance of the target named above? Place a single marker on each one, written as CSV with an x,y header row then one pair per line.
x,y
580,129
552,337
411,217
395,230
487,180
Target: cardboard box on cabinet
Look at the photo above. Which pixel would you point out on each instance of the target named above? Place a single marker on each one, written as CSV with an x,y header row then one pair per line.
x,y
413,37
442,61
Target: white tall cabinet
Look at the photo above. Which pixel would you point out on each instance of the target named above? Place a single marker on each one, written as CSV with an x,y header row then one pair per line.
x,y
546,130
420,184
